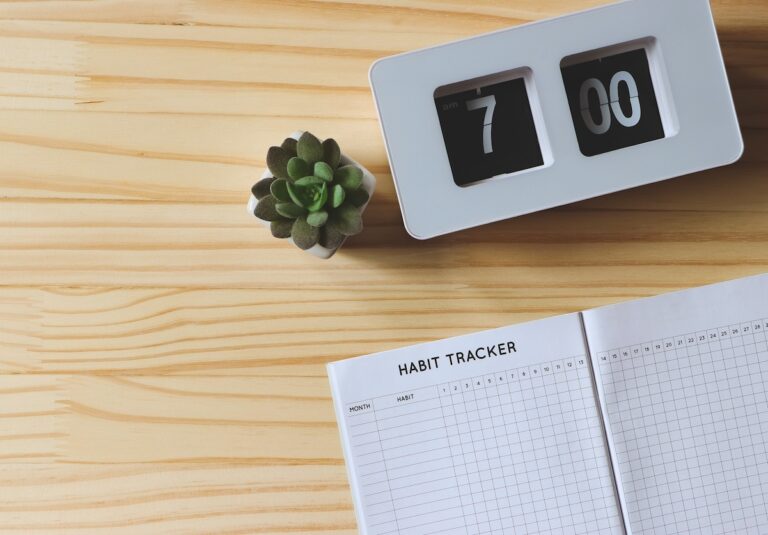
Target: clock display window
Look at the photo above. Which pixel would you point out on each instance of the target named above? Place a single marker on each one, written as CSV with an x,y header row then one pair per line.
x,y
488,128
612,100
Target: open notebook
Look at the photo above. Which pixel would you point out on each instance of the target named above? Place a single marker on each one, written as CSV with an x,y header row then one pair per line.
x,y
644,417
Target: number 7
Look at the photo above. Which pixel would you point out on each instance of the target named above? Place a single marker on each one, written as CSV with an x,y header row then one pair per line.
x,y
489,103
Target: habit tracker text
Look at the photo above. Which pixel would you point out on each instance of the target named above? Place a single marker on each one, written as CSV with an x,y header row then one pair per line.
x,y
459,357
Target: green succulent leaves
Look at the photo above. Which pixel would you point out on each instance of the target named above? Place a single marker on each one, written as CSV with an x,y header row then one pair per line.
x,y
309,148
279,190
317,219
324,171
331,238
331,153
310,197
277,161
289,145
358,197
349,177
281,228
262,188
347,220
298,168
266,210
304,235
290,210
337,196
309,192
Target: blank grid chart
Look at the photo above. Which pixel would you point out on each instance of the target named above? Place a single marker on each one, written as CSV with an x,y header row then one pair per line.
x,y
516,451
689,417
411,456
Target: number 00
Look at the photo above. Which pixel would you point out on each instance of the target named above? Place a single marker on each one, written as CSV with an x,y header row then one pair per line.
x,y
593,84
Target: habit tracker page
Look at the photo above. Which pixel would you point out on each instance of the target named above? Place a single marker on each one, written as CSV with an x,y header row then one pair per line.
x,y
684,380
490,433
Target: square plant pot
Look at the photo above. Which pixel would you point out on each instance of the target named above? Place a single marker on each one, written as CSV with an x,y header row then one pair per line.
x,y
368,184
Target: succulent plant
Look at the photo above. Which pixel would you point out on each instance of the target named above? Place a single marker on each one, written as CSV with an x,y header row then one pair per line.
x,y
311,197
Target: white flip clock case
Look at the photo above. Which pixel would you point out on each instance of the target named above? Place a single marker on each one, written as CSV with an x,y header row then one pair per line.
x,y
695,105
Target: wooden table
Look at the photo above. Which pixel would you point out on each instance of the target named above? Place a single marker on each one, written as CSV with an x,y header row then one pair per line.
x,y
162,357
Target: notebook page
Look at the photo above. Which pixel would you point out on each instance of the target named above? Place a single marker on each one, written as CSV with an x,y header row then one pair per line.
x,y
490,433
684,385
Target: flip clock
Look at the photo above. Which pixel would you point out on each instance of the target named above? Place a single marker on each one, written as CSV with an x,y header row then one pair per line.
x,y
553,112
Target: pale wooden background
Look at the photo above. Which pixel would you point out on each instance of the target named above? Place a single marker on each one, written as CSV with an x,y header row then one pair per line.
x,y
161,357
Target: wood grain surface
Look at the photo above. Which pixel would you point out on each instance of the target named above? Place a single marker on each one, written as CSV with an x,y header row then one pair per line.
x,y
162,357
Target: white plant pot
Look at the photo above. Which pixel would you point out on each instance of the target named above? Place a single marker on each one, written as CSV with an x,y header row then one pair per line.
x,y
369,185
